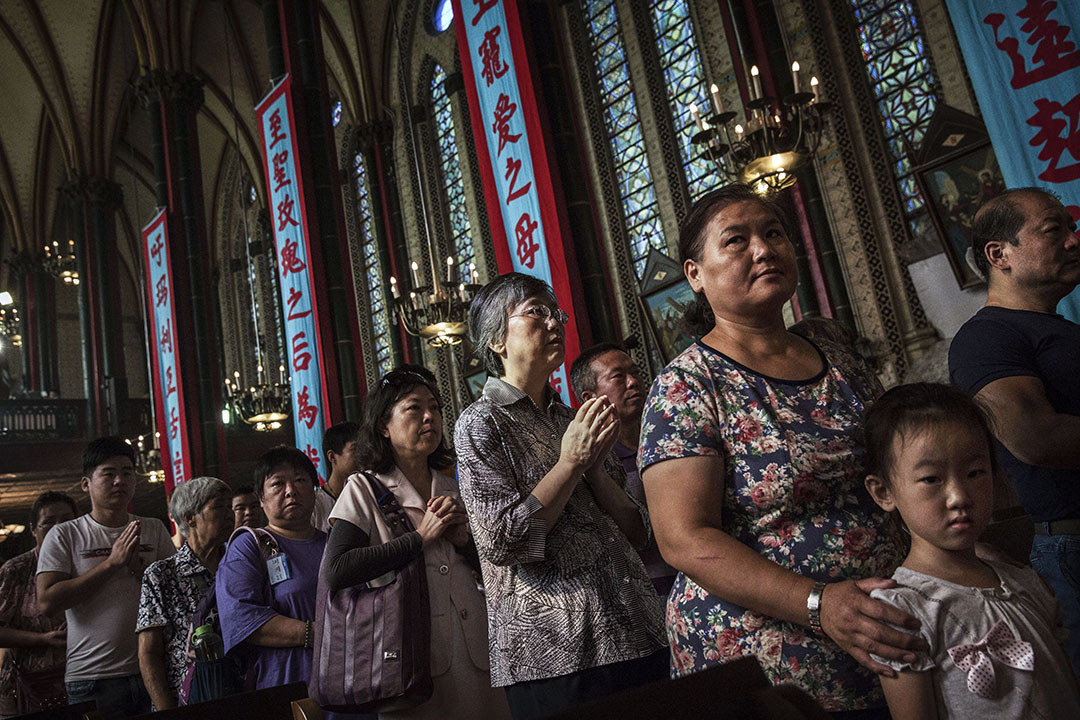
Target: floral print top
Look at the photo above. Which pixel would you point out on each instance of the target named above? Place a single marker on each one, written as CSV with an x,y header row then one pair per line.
x,y
793,491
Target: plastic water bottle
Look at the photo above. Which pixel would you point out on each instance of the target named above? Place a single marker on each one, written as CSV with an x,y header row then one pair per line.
x,y
207,643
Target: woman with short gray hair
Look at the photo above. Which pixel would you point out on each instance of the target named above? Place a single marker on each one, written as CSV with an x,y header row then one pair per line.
x,y
173,587
571,611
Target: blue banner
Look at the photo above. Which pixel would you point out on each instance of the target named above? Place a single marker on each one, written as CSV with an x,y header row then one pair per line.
x,y
495,68
168,399
291,241
1023,57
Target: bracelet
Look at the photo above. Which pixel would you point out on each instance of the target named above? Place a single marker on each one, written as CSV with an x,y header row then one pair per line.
x,y
307,635
813,606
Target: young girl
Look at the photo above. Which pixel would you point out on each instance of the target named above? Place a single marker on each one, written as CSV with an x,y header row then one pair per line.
x,y
993,629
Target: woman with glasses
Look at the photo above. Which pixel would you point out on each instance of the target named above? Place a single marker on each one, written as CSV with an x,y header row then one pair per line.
x,y
572,609
401,442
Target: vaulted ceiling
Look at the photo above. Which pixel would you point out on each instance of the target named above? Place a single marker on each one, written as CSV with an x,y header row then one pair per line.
x,y
68,107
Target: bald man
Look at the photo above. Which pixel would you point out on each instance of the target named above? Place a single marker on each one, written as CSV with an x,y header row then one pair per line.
x,y
1022,360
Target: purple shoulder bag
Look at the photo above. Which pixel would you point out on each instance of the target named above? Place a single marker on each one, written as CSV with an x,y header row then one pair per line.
x,y
372,644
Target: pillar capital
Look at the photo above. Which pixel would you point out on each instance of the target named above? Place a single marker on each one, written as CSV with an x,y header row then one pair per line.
x,y
87,188
157,85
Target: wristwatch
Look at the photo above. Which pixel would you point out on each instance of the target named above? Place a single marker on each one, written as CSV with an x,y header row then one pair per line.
x,y
813,606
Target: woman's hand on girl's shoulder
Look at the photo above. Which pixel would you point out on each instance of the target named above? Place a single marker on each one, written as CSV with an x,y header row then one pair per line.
x,y
861,625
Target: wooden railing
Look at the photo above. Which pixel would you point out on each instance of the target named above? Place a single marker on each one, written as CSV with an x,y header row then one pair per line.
x,y
35,420
52,419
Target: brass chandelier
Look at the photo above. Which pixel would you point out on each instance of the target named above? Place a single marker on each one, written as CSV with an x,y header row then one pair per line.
x,y
778,137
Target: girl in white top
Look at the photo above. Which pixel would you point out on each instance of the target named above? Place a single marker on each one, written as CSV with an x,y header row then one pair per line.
x,y
992,629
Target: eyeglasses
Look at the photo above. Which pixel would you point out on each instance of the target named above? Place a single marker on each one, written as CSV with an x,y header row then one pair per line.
x,y
543,313
399,377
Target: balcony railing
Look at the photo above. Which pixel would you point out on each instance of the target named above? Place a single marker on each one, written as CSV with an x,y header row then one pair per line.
x,y
50,419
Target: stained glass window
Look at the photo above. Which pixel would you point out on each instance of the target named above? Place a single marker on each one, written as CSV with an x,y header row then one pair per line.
x,y
380,317
685,82
624,131
335,113
449,161
444,15
902,77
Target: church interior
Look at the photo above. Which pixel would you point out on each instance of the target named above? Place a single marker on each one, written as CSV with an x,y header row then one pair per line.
x,y
120,109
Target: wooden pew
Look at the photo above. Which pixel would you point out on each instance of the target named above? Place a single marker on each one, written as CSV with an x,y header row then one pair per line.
x,y
274,703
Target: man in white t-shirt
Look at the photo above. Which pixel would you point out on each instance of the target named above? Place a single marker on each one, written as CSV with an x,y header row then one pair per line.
x,y
339,449
91,568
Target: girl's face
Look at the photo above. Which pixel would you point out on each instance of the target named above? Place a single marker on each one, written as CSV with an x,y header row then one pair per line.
x,y
942,484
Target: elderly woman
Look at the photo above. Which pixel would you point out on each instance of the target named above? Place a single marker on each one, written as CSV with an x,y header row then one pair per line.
x,y
751,460
35,641
401,442
173,587
571,608
265,598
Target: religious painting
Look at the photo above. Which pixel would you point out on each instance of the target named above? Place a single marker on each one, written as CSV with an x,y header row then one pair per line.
x,y
954,189
475,384
665,295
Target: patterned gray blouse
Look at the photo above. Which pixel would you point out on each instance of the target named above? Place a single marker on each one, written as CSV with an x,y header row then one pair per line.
x,y
558,601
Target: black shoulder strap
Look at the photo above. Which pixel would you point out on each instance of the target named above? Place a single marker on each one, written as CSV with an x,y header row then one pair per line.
x,y
391,510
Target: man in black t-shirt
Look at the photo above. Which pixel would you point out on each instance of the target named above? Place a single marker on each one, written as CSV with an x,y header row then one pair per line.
x,y
1022,359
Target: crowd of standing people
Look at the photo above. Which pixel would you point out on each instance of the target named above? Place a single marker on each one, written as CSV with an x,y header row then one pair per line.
x,y
767,489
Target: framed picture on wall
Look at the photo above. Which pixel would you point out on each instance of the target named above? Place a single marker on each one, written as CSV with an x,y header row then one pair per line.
x,y
954,189
956,171
665,295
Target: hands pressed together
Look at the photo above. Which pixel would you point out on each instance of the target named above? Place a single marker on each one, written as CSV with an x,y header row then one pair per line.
x,y
445,516
592,433
125,550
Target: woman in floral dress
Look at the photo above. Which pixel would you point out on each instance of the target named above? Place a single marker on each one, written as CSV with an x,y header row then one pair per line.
x,y
751,460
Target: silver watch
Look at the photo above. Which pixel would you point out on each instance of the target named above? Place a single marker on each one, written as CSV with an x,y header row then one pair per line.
x,y
813,606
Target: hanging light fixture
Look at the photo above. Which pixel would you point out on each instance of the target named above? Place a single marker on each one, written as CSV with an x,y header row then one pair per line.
x,y
774,138
263,404
9,320
148,457
434,311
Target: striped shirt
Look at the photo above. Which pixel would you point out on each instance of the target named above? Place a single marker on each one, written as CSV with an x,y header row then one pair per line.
x,y
560,600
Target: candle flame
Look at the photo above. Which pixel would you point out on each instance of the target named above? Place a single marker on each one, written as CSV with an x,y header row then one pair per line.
x,y
813,81
754,71
795,66
713,88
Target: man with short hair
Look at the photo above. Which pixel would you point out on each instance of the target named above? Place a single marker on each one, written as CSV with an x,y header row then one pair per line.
x,y
339,449
1020,358
91,568
247,510
607,370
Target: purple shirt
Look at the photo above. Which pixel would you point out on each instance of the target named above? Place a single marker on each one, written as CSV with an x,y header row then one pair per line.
x,y
246,601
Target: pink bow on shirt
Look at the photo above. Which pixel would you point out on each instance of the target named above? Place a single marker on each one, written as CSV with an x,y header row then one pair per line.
x,y
999,644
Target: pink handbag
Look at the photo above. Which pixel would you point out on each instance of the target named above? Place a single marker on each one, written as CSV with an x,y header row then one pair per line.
x,y
372,644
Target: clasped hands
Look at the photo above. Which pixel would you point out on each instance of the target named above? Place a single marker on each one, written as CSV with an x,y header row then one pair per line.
x,y
591,435
444,516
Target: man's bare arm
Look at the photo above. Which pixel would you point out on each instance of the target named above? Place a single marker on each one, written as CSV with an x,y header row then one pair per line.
x,y
1027,424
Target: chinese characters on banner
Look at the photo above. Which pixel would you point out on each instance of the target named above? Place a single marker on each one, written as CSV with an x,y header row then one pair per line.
x,y
516,179
1023,57
168,400
286,195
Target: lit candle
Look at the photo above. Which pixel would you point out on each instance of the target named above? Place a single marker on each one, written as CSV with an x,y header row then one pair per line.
x,y
461,291
814,88
393,287
415,275
281,374
449,270
757,83
795,75
697,116
412,299
738,131
718,104
475,275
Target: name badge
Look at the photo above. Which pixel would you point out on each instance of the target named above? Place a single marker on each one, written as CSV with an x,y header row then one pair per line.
x,y
277,565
